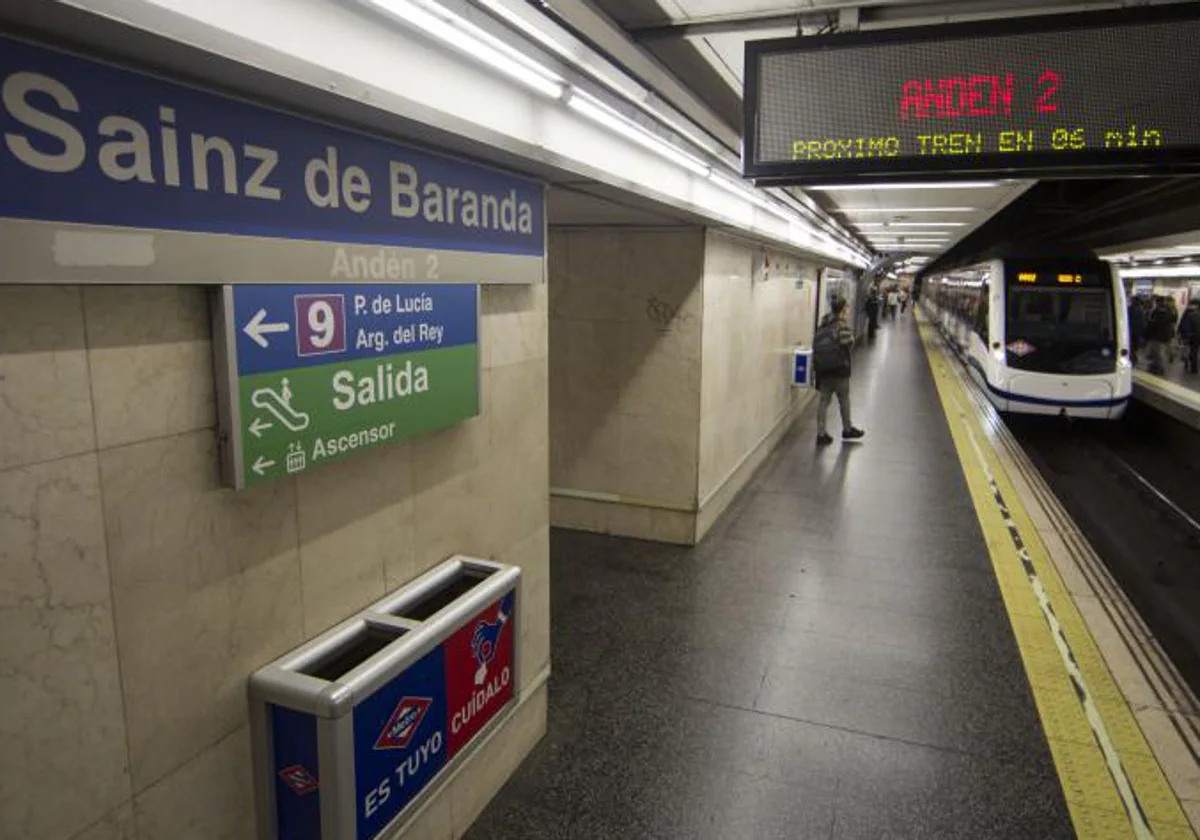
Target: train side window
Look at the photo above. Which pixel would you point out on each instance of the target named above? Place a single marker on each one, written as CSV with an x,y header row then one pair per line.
x,y
981,315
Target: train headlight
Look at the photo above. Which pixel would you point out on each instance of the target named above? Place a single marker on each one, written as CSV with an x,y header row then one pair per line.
x,y
998,355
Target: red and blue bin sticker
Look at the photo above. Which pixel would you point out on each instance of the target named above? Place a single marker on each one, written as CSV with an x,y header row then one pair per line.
x,y
409,729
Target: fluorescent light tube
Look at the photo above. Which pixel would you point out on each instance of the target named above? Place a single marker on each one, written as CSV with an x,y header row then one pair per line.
x,y
852,210
908,224
930,185
1165,271
605,116
469,39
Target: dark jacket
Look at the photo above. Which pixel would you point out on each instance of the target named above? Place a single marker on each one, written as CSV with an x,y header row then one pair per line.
x,y
1189,325
845,338
1137,321
1161,326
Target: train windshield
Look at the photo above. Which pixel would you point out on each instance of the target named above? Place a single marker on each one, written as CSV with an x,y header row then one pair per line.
x,y
1061,330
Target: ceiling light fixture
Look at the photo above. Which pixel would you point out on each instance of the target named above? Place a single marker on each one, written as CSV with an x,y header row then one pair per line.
x,y
455,31
597,111
908,224
1165,271
855,210
930,185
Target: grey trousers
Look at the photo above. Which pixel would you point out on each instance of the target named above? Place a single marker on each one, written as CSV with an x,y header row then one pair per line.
x,y
1157,351
829,386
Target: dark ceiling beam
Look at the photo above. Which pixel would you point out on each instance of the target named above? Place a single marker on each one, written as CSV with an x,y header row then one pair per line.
x,y
1084,215
872,16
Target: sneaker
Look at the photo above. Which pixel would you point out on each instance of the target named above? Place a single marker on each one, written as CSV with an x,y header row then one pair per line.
x,y
824,439
853,434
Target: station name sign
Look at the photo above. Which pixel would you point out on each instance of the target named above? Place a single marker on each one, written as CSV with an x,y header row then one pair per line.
x,y
1102,93
316,374
84,142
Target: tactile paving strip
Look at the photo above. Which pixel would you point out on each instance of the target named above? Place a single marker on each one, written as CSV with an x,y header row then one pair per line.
x,y
1111,781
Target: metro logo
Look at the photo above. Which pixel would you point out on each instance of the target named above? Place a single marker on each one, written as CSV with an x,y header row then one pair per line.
x,y
299,779
403,724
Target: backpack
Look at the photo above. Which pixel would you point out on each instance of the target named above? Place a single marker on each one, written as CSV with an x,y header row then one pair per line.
x,y
829,357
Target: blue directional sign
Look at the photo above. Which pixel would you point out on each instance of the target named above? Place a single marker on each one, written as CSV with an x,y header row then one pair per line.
x,y
316,373
285,327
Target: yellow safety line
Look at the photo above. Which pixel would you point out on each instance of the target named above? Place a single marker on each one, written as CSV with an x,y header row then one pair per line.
x,y
1112,783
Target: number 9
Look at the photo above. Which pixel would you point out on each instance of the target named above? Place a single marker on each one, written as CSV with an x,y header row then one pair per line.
x,y
321,324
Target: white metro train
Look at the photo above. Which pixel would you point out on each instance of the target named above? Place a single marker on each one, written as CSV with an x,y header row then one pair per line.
x,y
1040,336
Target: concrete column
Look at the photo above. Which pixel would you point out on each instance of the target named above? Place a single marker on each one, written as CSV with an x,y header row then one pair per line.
x,y
670,354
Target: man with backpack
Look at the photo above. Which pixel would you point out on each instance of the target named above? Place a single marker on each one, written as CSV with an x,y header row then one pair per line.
x,y
1189,334
831,365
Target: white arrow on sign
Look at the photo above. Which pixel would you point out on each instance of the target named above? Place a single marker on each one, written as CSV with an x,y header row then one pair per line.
x,y
258,329
261,465
259,426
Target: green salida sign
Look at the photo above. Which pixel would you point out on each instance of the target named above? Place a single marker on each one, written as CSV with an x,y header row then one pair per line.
x,y
316,374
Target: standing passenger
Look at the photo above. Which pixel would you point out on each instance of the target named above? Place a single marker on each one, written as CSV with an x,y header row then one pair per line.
x,y
831,364
903,300
872,310
1159,332
1189,334
1137,327
893,300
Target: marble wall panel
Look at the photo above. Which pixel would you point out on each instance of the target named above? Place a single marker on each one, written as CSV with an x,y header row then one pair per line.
x,y
452,517
45,403
64,764
585,451
209,798
626,330
355,524
591,286
118,824
151,361
206,585
579,514
658,460
518,405
749,328
514,323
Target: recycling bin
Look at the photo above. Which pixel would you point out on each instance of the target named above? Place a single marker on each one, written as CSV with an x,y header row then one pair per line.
x,y
352,729
802,367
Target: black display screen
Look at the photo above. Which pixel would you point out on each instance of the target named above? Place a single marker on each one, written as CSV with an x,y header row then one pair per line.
x,y
1058,277
1075,93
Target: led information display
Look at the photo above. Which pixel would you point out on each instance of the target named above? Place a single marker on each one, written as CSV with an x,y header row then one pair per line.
x,y
1056,277
1067,94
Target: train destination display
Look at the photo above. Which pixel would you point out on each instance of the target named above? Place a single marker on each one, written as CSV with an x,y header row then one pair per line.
x,y
1098,92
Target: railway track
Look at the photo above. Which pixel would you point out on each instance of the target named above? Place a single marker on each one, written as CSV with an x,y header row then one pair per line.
x,y
1133,489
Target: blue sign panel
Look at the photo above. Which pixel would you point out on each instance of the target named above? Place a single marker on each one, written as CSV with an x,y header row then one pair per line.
x,y
400,742
297,774
801,368
91,143
287,327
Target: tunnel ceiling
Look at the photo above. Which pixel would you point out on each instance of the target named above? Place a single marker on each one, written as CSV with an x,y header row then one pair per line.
x,y
702,43
1087,215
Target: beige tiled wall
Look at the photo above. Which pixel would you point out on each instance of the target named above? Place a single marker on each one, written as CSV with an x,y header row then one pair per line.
x,y
137,594
669,374
751,326
625,317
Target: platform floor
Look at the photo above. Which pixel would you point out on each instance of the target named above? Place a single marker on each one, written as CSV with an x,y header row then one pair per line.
x,y
834,661
1175,373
